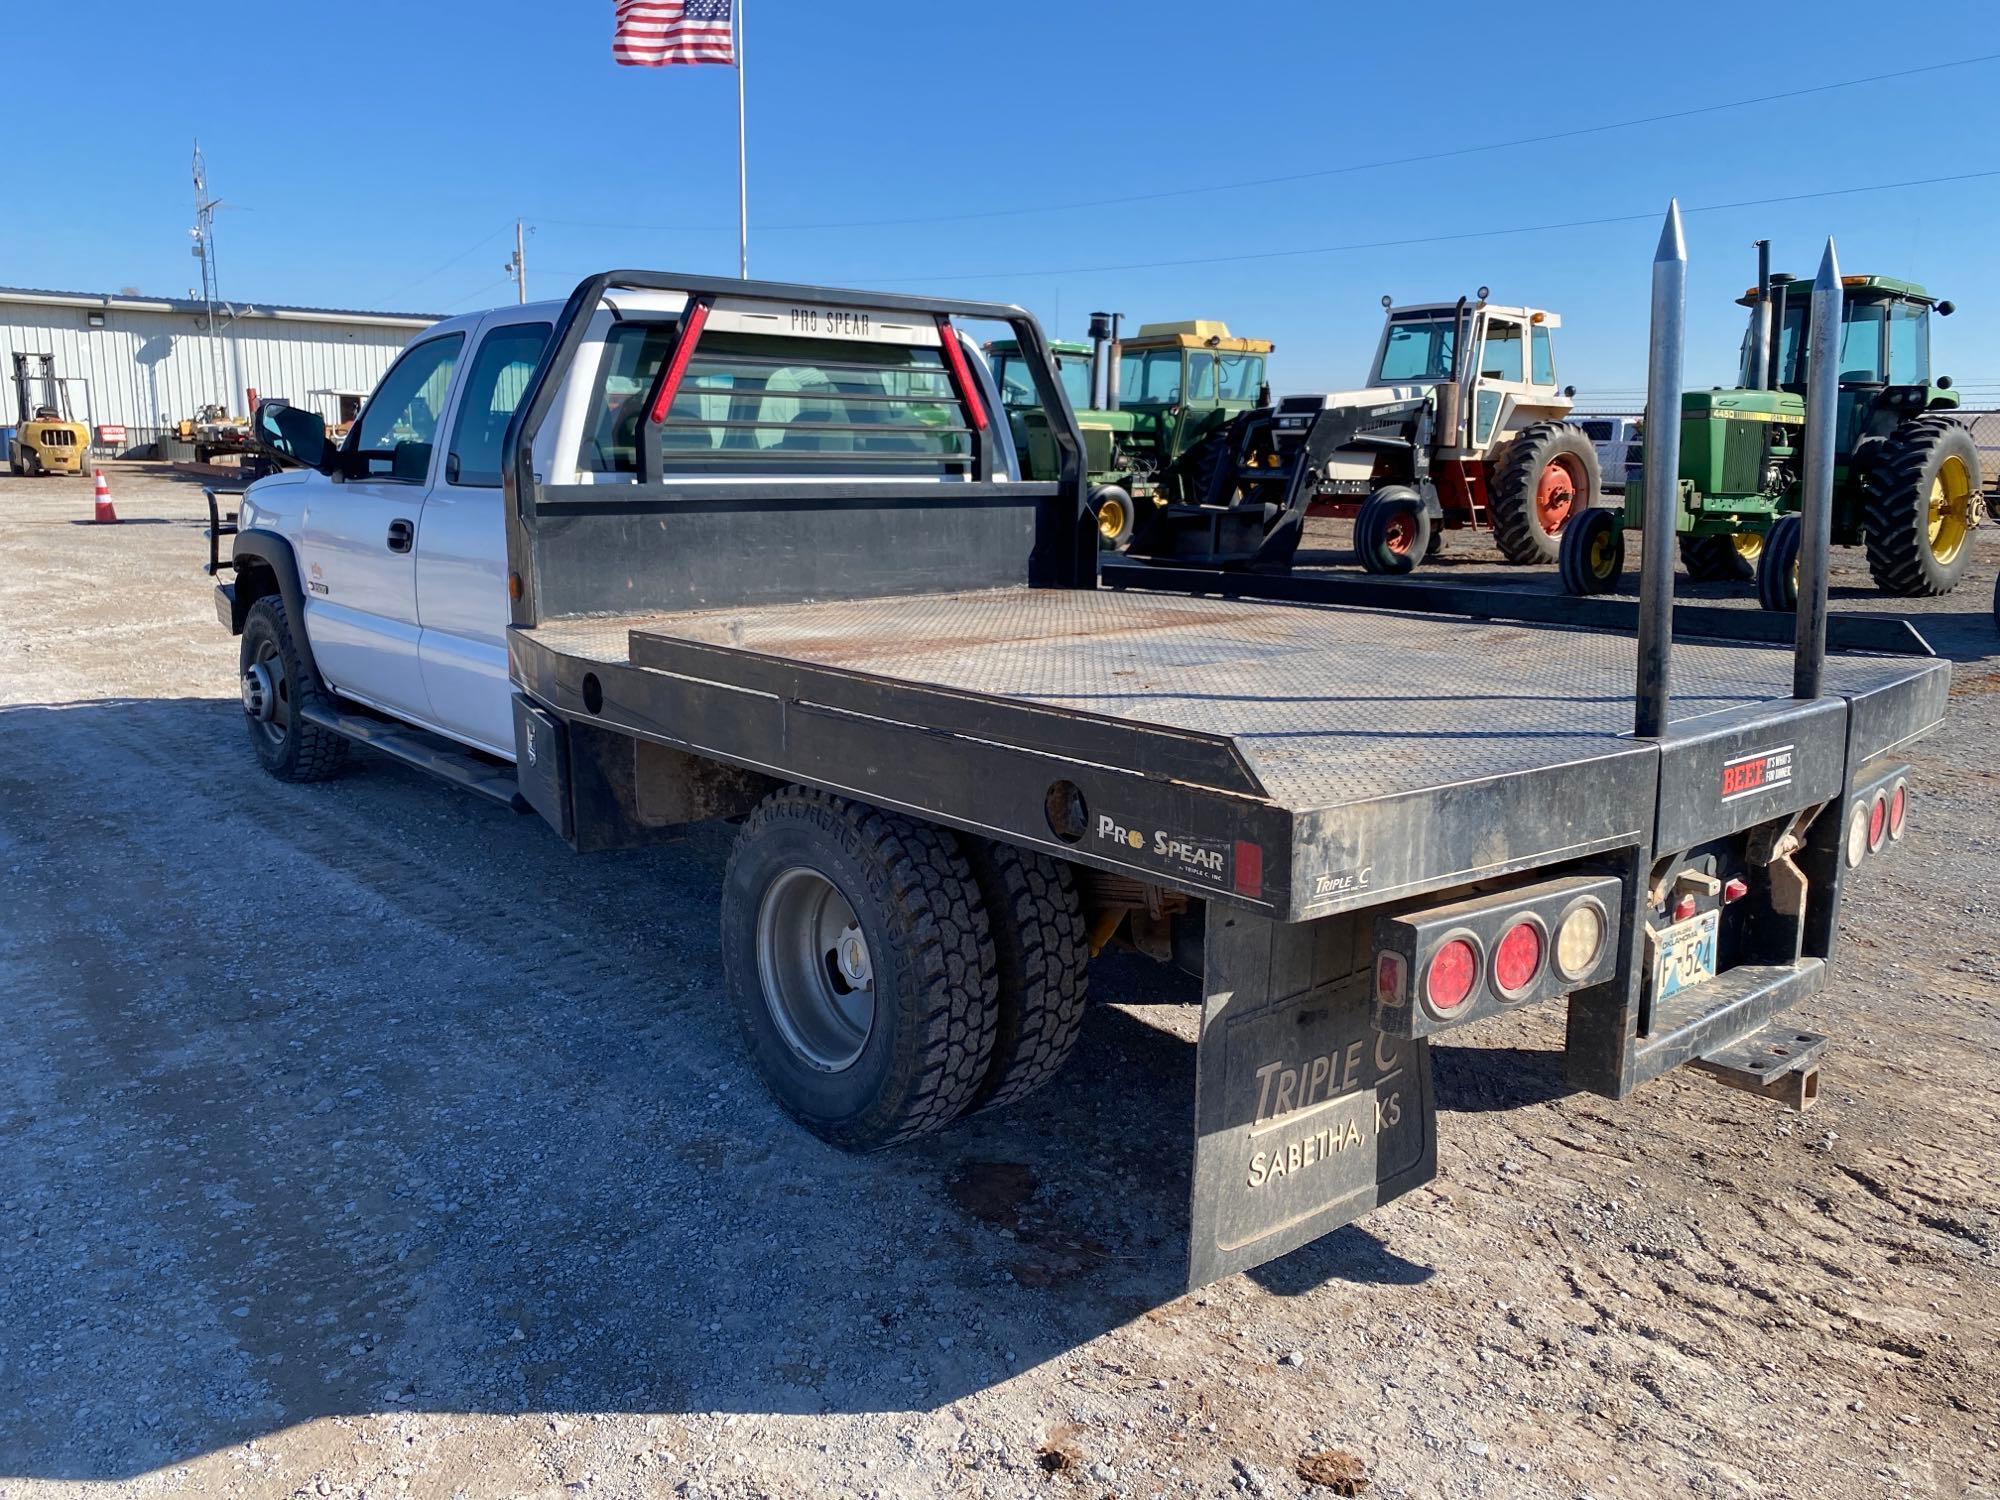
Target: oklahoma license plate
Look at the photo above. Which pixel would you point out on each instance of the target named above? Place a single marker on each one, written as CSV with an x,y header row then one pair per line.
x,y
1685,955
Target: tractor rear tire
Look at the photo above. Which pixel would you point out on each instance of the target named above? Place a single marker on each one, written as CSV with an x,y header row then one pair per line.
x,y
1722,559
1547,478
1042,954
858,957
1592,560
1920,502
1778,567
1392,534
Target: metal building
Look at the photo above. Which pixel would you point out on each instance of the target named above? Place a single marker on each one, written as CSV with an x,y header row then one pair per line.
x,y
145,363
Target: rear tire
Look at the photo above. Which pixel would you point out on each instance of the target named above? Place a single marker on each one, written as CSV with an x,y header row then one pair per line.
x,y
1778,567
904,925
1042,956
1722,559
1547,479
285,744
1592,559
1921,501
1392,533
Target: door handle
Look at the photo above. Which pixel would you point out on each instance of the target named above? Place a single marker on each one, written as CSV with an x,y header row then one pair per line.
x,y
401,535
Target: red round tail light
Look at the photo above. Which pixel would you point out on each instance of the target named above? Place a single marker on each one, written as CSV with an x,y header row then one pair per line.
x,y
1878,822
1517,960
1453,970
1899,808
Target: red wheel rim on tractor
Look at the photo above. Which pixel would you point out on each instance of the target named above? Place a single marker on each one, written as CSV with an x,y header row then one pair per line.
x,y
1399,535
1555,494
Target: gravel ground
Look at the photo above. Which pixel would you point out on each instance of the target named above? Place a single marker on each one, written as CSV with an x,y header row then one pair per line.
x,y
358,1139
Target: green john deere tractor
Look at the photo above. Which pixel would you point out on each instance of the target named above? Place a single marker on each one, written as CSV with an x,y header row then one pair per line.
x,y
1906,472
1166,389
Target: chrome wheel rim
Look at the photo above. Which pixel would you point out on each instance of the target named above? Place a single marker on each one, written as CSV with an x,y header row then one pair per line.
x,y
265,700
815,969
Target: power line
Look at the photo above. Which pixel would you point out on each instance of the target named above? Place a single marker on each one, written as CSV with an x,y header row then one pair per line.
x,y
428,275
507,280
1310,176
1648,216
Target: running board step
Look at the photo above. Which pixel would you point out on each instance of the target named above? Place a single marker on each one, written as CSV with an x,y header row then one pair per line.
x,y
1779,1063
427,752
1728,1010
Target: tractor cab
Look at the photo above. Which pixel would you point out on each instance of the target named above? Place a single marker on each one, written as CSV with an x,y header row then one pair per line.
x,y
1513,367
1885,352
1017,384
1182,381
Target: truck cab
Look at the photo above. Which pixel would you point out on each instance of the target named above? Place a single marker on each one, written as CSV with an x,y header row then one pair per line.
x,y
398,530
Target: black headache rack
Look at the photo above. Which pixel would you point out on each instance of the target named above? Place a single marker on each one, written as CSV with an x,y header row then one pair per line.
x,y
1321,774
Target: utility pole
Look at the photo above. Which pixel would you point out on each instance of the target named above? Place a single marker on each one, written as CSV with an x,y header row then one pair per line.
x,y
518,266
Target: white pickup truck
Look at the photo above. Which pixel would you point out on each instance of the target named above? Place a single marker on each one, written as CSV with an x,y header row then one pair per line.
x,y
685,548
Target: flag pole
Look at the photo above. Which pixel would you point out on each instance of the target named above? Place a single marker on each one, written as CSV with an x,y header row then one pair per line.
x,y
742,161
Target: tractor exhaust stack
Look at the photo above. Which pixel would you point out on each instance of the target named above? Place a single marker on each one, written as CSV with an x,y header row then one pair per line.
x,y
1816,487
1760,327
1114,354
1100,343
1663,467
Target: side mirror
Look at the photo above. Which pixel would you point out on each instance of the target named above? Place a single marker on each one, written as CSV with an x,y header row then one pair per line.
x,y
1946,309
1943,382
291,433
1570,391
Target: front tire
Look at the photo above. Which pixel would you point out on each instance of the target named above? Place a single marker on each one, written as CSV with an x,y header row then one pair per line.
x,y
1920,505
1392,532
1548,478
1116,516
861,965
276,689
1592,559
1778,567
1722,559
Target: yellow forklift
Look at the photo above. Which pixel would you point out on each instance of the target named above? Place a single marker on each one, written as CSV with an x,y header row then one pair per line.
x,y
46,441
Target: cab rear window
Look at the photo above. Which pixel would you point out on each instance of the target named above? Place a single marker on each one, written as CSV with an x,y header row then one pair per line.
x,y
755,403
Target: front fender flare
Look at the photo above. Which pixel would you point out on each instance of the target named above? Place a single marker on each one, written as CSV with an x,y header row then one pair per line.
x,y
276,553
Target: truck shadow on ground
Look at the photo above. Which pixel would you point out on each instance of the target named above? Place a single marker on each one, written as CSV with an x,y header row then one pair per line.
x,y
367,1097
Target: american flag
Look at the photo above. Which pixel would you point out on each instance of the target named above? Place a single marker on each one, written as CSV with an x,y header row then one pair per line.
x,y
657,33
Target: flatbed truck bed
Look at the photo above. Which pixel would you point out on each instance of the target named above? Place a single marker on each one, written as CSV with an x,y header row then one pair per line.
x,y
1313,721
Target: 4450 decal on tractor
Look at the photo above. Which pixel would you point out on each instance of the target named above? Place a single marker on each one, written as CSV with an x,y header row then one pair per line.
x,y
1906,472
1164,392
1435,441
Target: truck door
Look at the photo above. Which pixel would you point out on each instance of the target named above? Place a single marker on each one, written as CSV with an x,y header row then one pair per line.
x,y
462,546
358,537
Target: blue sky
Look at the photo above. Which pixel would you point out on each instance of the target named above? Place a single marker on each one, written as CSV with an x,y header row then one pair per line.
x,y
376,156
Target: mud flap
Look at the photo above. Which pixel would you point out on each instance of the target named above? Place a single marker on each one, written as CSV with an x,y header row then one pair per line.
x,y
1306,1117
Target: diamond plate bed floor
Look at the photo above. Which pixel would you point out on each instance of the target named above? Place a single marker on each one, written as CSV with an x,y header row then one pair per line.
x,y
1327,704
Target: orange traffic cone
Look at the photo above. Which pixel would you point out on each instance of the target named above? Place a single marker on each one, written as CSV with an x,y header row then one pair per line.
x,y
105,514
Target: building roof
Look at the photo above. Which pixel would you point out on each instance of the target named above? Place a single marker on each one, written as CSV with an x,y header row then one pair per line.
x,y
275,310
